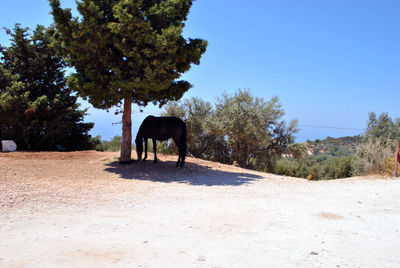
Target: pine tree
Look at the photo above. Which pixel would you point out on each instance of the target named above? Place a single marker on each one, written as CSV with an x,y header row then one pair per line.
x,y
37,109
382,127
127,51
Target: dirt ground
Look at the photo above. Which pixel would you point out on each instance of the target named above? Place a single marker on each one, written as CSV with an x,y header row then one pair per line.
x,y
83,209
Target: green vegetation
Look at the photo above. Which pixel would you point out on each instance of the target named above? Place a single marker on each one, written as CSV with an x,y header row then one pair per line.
x,y
113,145
230,132
127,51
333,158
209,138
37,109
324,159
239,128
382,127
316,167
335,146
377,154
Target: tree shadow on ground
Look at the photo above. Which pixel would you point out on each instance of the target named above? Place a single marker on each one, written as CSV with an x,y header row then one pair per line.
x,y
193,174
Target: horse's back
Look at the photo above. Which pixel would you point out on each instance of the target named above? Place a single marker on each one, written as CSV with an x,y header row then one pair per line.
x,y
162,128
170,127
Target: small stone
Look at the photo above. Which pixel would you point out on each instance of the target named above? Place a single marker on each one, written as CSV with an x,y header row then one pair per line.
x,y
201,258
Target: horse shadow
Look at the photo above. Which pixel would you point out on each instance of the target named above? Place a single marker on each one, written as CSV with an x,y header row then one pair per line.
x,y
192,173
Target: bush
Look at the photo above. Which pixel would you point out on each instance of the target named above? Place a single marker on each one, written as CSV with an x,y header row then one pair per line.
x,y
239,128
375,157
114,145
316,168
96,141
286,167
340,167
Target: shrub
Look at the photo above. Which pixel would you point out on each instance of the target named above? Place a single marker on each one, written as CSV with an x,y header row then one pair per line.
x,y
316,167
374,157
113,145
286,167
340,167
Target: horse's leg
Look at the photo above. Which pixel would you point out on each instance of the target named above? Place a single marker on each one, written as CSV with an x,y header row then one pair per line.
x,y
145,150
183,158
179,145
182,154
155,150
182,150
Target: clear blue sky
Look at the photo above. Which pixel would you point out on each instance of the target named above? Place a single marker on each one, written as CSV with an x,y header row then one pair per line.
x,y
330,62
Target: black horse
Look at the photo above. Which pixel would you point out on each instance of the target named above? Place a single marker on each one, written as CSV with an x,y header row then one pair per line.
x,y
162,128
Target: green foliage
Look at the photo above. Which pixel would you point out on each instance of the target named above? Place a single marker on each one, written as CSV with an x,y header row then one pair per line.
x,y
375,155
240,128
127,49
383,127
297,150
256,135
338,167
347,156
165,147
335,146
203,141
332,158
343,157
37,109
316,168
113,145
288,167
96,141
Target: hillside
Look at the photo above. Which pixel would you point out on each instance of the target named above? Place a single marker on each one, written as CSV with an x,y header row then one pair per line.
x,y
83,209
334,146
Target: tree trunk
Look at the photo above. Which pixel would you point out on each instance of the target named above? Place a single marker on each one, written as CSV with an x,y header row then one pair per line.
x,y
126,143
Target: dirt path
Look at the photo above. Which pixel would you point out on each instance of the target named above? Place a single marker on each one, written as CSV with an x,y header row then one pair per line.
x,y
82,209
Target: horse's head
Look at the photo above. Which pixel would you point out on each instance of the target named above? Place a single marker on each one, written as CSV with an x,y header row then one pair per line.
x,y
139,148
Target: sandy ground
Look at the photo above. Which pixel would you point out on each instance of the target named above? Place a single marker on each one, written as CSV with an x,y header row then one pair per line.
x,y
83,209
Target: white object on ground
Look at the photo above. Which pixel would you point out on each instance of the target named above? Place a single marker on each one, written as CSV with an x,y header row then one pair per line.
x,y
8,146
